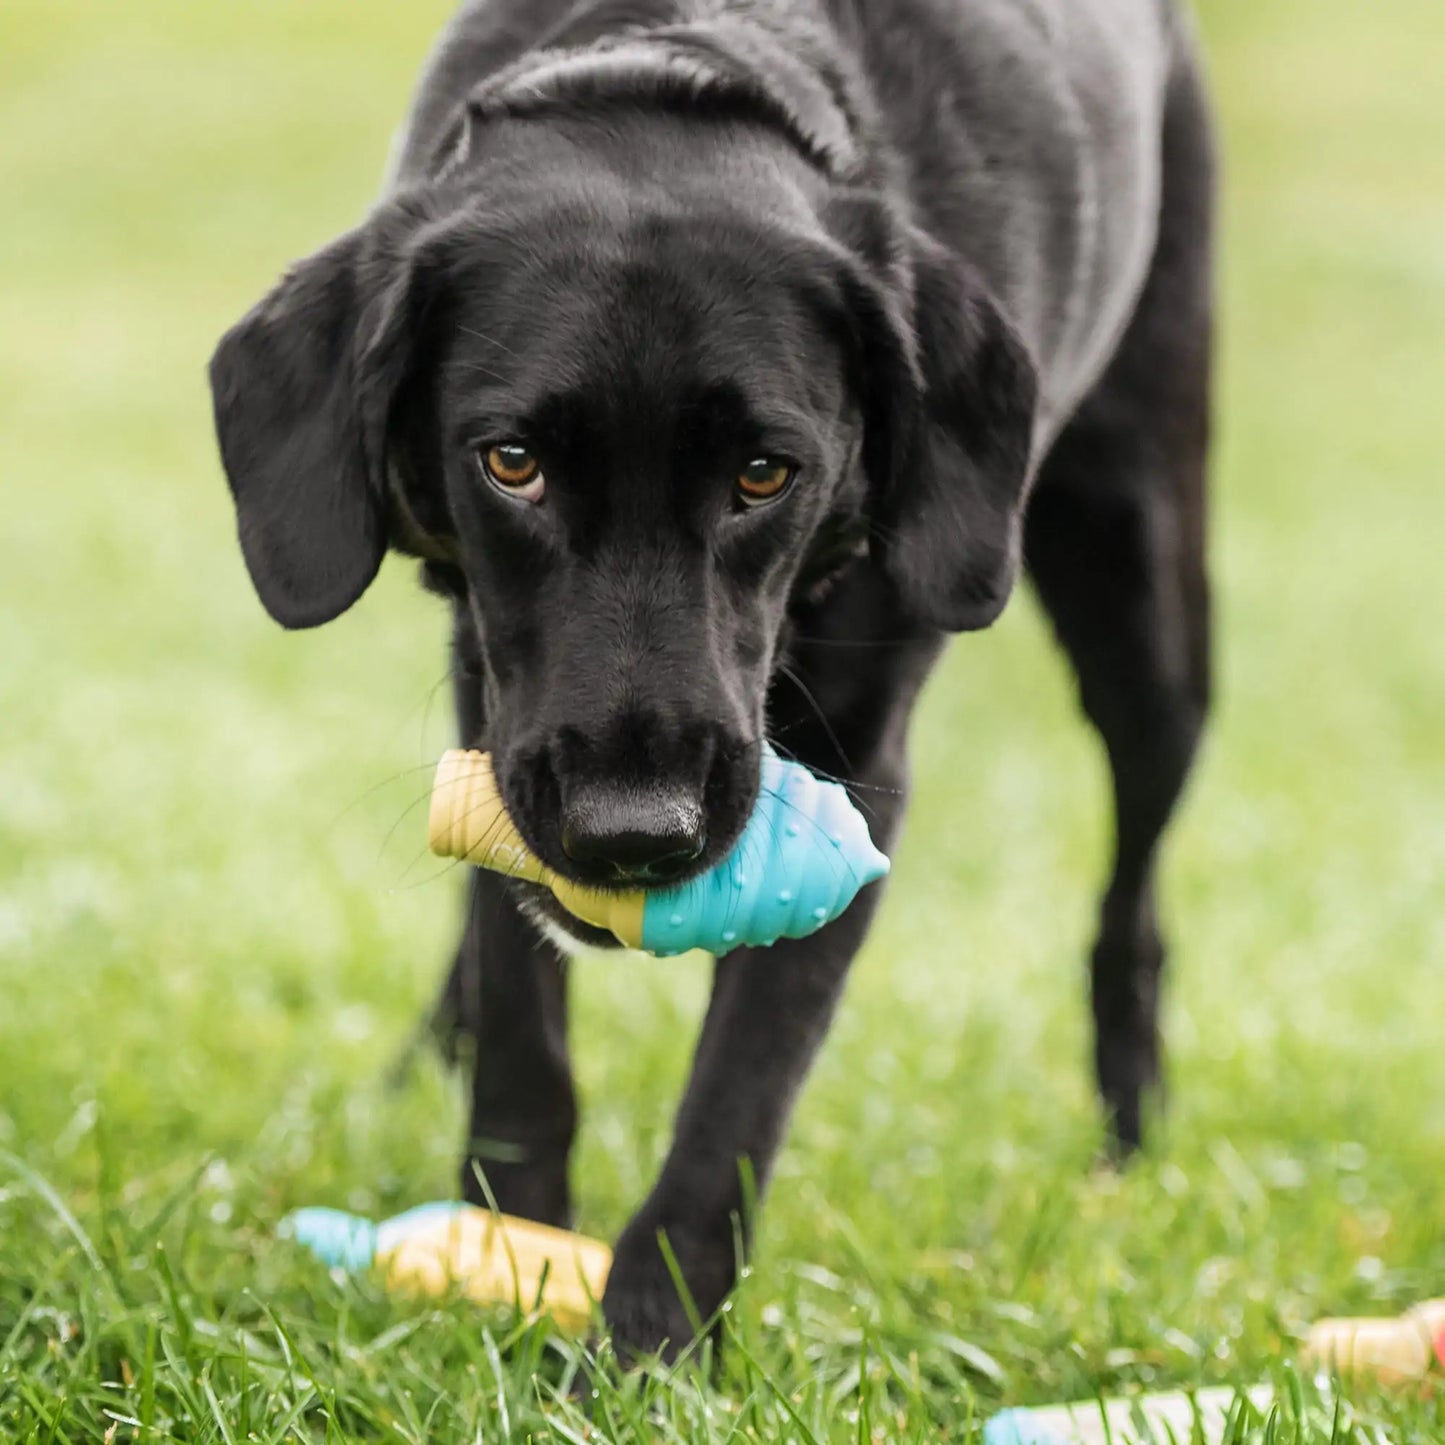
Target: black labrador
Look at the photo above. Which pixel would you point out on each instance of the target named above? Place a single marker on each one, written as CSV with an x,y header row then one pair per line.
x,y
719,358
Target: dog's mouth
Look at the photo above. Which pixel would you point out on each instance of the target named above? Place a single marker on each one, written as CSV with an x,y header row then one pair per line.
x,y
565,929
717,815
569,931
607,878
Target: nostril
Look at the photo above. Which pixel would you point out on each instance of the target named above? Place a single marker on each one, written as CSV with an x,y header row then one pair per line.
x,y
635,860
633,836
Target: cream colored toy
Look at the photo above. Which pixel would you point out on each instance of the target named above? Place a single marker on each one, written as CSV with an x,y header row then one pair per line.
x,y
1391,1352
491,1258
801,860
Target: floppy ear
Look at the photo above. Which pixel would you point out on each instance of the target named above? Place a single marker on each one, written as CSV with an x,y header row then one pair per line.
x,y
950,394
303,389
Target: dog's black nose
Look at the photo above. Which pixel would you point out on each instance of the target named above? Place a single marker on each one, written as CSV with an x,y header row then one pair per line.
x,y
633,835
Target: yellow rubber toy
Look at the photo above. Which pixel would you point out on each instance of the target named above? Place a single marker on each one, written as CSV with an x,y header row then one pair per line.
x,y
493,1258
468,820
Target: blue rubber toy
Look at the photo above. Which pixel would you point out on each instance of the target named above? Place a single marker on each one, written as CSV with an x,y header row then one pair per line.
x,y
350,1242
1020,1427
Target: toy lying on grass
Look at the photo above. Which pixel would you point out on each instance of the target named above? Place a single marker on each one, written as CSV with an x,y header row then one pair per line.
x,y
491,1258
1406,1350
1391,1352
801,860
1200,1416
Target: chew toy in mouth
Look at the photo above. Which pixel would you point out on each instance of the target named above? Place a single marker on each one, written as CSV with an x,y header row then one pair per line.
x,y
801,860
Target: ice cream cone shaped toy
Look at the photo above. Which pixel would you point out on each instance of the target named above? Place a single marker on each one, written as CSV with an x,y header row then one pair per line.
x,y
802,858
491,1258
1397,1351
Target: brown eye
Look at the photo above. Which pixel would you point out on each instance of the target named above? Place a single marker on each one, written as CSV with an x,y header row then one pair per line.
x,y
764,479
513,469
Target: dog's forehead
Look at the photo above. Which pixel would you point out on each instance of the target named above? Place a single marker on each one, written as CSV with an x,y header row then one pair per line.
x,y
655,280
661,311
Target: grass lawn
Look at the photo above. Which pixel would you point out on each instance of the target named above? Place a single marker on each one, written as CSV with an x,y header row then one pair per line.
x,y
218,927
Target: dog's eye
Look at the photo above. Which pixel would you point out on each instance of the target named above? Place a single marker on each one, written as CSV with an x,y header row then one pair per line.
x,y
512,469
763,480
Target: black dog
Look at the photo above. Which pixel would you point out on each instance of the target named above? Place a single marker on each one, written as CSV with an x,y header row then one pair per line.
x,y
719,357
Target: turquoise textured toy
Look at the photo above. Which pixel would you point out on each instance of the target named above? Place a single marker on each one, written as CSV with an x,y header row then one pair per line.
x,y
801,860
350,1241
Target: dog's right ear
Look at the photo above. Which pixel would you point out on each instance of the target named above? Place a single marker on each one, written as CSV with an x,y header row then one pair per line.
x,y
303,388
950,395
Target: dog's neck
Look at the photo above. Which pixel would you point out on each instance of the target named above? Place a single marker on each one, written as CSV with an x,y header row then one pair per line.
x,y
778,62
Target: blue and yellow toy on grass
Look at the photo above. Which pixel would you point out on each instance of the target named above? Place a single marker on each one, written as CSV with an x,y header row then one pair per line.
x,y
490,1258
801,860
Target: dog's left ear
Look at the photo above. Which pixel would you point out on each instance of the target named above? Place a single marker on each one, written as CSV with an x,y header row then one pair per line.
x,y
303,389
949,400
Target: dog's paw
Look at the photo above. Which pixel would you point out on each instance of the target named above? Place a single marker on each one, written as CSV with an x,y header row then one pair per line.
x,y
644,1311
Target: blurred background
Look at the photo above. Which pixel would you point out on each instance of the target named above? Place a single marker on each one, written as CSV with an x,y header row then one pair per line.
x,y
218,924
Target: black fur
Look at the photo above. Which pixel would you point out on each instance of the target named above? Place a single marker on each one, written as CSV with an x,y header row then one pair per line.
x,y
929,250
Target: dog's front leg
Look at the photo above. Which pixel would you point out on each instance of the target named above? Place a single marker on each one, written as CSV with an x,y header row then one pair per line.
x,y
509,987
769,1011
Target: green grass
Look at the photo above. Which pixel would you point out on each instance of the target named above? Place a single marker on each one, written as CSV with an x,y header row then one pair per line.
x,y
217,930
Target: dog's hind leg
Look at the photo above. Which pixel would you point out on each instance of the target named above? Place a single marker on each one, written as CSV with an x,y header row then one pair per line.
x,y
1115,545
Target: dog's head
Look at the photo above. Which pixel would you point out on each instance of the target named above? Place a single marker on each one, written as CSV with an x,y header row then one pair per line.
x,y
628,427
